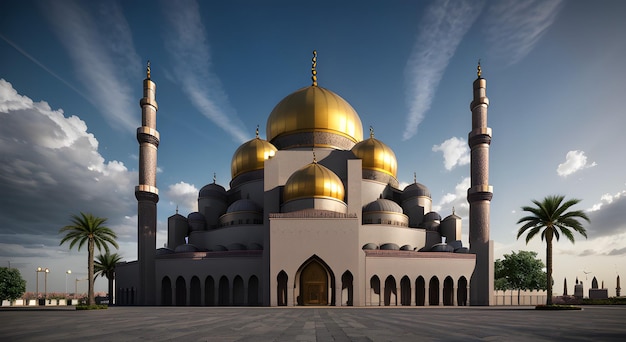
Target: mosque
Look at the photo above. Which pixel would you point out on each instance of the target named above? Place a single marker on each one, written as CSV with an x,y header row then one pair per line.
x,y
313,216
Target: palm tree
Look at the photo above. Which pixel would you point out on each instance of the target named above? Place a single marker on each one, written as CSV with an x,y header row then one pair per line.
x,y
105,267
552,216
90,229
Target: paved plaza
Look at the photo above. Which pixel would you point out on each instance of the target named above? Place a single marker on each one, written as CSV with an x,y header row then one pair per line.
x,y
597,323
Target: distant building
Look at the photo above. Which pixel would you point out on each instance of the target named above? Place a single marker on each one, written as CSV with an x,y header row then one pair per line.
x,y
313,216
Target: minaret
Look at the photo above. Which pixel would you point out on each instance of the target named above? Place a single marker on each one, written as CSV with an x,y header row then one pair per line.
x,y
147,194
479,197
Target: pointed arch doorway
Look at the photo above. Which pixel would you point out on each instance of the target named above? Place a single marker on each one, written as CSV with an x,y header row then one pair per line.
x,y
316,283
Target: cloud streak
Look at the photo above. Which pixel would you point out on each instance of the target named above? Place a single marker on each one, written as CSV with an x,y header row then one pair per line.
x,y
99,43
455,152
187,44
514,27
441,29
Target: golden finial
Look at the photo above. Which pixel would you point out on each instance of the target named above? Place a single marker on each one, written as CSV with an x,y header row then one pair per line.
x,y
257,131
148,70
371,132
479,71
177,209
214,177
414,177
313,68
453,211
314,159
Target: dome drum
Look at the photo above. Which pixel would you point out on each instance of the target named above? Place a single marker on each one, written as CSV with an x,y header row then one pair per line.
x,y
317,203
380,176
321,139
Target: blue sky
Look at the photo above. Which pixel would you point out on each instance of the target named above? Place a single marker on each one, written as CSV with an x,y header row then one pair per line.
x,y
71,79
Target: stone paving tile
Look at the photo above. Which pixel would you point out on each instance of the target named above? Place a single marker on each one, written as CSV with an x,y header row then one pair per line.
x,y
598,323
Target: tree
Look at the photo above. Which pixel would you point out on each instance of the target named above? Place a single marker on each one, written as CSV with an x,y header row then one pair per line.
x,y
12,285
105,267
90,229
551,218
521,271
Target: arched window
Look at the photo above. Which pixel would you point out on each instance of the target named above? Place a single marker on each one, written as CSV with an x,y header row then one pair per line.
x,y
433,291
238,292
281,298
448,291
391,292
347,289
253,291
166,291
405,291
224,292
420,291
461,292
181,291
209,291
195,292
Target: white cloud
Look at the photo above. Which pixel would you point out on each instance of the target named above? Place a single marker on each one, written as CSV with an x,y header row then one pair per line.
x,y
456,200
442,28
455,152
185,195
101,47
513,27
574,161
51,168
187,43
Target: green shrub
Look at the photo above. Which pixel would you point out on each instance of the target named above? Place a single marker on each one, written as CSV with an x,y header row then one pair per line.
x,y
91,307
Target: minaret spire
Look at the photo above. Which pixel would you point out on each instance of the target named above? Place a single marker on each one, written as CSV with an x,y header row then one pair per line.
x,y
147,193
479,196
314,68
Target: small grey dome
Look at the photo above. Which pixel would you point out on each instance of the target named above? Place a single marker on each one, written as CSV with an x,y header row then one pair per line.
x,y
243,205
370,246
219,248
164,251
463,250
237,247
442,247
196,221
390,247
213,190
255,247
432,216
186,248
415,190
452,217
382,204
406,248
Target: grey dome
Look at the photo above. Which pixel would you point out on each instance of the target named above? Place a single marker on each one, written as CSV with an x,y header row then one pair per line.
x,y
382,204
186,248
390,247
442,247
432,216
243,205
213,190
370,246
452,217
164,250
406,248
237,247
415,190
196,221
255,247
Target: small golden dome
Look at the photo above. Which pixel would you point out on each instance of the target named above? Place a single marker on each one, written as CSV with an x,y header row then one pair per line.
x,y
314,109
313,180
251,156
376,156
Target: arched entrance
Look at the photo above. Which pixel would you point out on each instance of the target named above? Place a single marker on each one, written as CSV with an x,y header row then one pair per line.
x,y
448,291
166,291
461,292
420,291
405,291
346,289
223,292
253,291
282,278
391,292
238,292
195,292
433,291
315,280
375,290
209,291
181,291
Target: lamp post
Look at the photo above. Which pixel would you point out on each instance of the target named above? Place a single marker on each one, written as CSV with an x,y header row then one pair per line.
x,y
39,270
66,273
45,283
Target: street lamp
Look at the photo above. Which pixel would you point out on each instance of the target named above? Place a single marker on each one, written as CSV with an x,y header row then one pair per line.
x,y
45,270
66,273
45,283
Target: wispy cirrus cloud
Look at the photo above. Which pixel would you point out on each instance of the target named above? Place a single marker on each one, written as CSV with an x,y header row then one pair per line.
x,y
513,27
187,44
441,29
100,45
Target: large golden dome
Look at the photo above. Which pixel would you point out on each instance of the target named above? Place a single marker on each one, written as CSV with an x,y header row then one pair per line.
x,y
314,117
251,156
376,156
313,180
